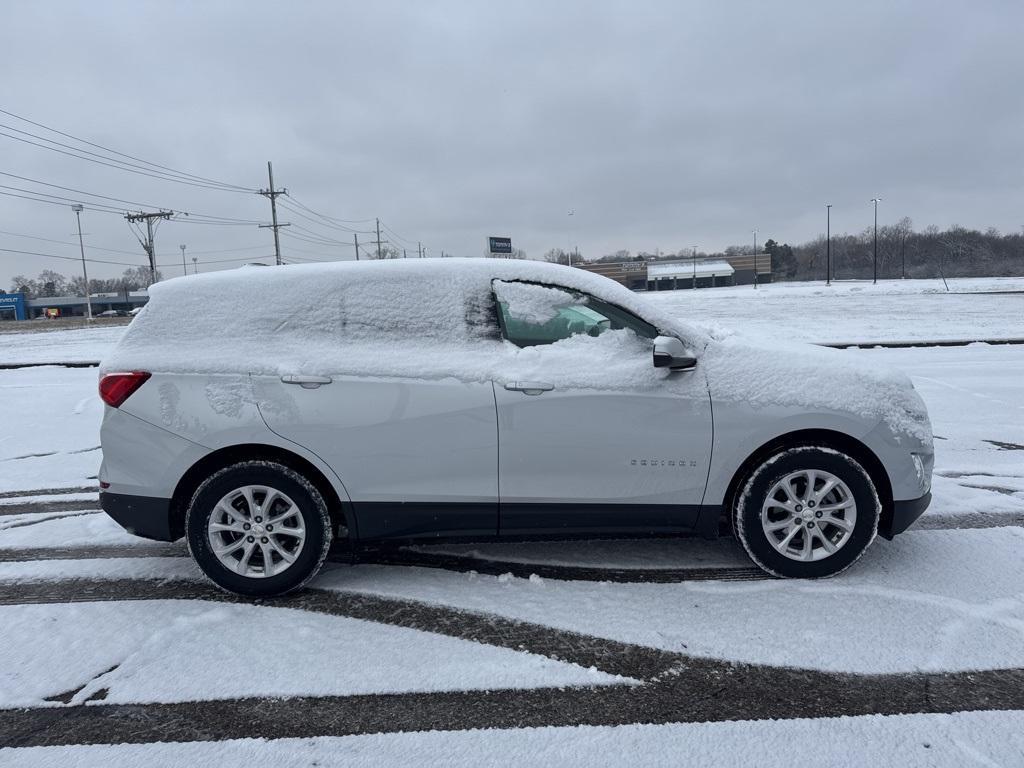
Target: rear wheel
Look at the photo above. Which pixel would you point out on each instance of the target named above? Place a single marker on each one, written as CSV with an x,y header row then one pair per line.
x,y
258,528
807,512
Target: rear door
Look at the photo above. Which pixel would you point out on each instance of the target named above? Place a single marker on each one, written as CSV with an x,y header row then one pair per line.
x,y
416,456
593,438
413,439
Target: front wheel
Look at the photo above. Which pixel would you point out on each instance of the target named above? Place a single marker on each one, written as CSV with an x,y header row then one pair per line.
x,y
807,512
258,529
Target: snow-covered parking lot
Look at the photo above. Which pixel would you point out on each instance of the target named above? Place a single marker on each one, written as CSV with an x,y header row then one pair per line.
x,y
661,652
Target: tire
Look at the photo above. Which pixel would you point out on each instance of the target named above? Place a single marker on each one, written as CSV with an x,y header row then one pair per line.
x,y
764,512
232,501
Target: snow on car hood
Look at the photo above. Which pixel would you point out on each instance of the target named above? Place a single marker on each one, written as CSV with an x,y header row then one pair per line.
x,y
767,372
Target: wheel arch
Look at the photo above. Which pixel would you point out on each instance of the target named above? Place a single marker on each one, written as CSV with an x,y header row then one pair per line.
x,y
830,439
342,518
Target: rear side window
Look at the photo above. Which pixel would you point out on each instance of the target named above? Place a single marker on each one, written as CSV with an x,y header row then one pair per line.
x,y
531,314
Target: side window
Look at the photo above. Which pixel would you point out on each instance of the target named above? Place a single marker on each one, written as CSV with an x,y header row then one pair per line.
x,y
532,314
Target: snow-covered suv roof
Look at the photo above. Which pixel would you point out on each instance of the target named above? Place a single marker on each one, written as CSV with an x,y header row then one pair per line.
x,y
319,315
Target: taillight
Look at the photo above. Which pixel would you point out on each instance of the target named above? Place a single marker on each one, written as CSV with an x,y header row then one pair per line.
x,y
115,388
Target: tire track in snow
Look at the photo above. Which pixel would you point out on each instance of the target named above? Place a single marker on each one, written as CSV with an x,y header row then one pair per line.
x,y
33,507
676,688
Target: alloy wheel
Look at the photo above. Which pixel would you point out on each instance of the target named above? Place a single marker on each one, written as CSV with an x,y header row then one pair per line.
x,y
809,515
256,531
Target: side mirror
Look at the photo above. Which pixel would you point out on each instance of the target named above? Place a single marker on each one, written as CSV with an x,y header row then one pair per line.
x,y
669,352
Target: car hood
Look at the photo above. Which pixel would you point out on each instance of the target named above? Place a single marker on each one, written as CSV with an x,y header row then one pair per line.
x,y
762,373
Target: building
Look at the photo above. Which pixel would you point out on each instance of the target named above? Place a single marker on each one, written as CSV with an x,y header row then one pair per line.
x,y
685,273
14,306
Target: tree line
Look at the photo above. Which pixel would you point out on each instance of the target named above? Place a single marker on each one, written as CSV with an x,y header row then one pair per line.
x,y
902,251
50,283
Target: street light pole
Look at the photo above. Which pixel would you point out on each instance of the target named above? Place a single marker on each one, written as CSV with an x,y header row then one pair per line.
x,y
876,200
755,259
184,266
828,244
78,208
569,254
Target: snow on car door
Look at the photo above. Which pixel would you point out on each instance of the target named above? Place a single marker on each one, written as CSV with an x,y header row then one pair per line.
x,y
591,436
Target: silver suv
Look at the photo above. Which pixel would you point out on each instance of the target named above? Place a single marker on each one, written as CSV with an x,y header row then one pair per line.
x,y
262,414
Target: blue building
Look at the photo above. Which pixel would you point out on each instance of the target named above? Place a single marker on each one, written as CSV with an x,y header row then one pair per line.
x,y
12,306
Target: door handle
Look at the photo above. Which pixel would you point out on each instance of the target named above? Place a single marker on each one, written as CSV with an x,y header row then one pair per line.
x,y
306,382
529,387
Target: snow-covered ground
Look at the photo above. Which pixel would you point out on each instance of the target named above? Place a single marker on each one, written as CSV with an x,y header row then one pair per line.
x,y
856,312
908,741
939,600
140,652
62,346
51,420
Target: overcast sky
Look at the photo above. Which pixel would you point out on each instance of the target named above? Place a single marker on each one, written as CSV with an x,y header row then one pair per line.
x,y
661,125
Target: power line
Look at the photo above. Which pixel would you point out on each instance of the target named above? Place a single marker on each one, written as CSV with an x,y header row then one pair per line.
x,y
195,177
324,216
134,203
222,261
123,167
228,250
396,235
321,254
66,258
323,238
338,228
109,208
67,242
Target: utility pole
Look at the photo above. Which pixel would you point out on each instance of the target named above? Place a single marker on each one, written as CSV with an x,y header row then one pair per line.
x,y
78,208
147,244
378,239
184,266
828,244
755,259
903,256
694,267
273,194
876,200
195,265
357,245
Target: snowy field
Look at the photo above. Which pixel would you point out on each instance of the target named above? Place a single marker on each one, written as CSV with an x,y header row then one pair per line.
x,y
975,309
664,652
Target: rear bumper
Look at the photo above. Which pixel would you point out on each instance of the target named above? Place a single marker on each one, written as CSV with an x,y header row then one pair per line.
x,y
904,513
146,516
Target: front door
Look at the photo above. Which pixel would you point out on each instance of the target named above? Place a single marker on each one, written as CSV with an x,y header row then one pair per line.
x,y
593,438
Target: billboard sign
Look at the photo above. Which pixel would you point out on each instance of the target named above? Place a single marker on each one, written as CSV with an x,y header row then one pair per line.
x,y
500,245
12,305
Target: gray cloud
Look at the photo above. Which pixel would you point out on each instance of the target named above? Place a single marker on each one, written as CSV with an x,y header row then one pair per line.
x,y
660,124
